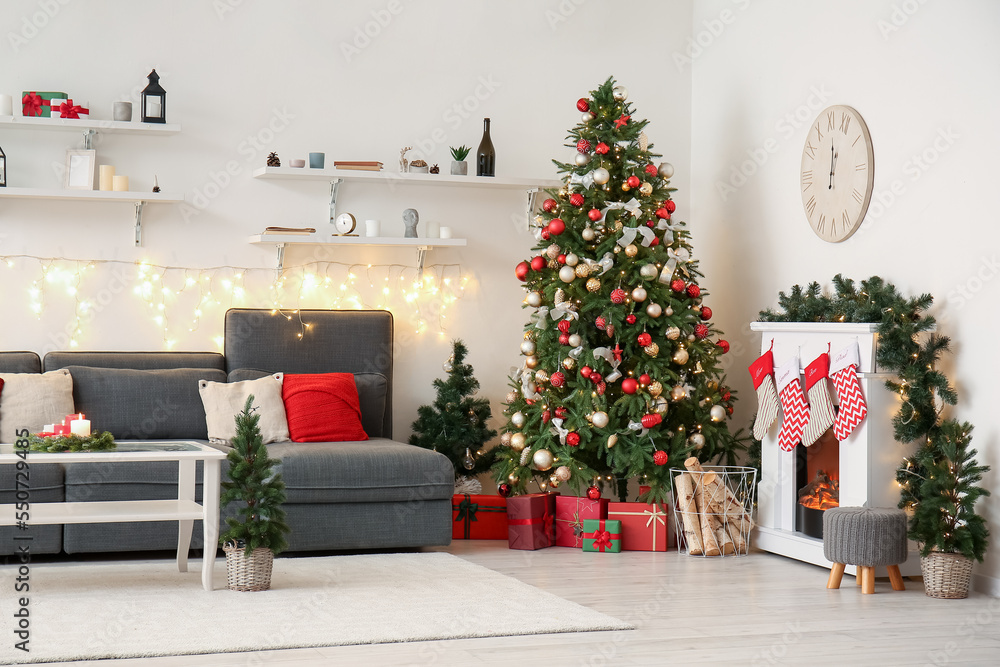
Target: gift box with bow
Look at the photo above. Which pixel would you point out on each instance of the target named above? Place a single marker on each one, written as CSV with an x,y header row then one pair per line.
x,y
644,527
65,108
477,517
570,515
530,521
602,535
38,104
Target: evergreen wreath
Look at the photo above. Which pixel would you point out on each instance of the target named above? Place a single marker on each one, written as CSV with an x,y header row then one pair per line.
x,y
938,482
99,442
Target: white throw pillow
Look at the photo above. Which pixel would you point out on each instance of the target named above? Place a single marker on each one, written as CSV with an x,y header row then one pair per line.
x,y
32,400
224,400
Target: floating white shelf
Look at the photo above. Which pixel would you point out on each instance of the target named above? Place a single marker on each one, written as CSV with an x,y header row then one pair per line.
x,y
394,178
139,199
83,125
421,244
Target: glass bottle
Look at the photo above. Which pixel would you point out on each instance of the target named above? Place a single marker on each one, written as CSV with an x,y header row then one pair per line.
x,y
486,156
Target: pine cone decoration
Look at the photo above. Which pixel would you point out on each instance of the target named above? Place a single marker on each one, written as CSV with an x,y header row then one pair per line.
x,y
435,169
272,160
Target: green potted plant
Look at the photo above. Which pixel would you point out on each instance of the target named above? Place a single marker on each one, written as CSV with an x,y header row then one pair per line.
x,y
460,167
939,489
257,532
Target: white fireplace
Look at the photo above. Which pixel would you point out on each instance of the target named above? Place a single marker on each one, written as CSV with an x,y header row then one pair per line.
x,y
868,458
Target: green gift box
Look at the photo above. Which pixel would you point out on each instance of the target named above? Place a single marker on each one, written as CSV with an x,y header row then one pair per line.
x,y
602,535
36,104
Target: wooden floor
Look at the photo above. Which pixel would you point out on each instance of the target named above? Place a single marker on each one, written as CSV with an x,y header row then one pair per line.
x,y
756,610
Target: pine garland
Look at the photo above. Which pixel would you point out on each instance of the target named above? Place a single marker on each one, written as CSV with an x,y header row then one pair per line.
x,y
939,481
102,442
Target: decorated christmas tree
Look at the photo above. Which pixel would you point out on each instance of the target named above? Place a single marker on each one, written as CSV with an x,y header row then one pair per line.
x,y
455,424
620,375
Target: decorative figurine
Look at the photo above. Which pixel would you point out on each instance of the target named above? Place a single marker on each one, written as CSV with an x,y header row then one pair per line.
x,y
403,162
156,184
272,160
410,219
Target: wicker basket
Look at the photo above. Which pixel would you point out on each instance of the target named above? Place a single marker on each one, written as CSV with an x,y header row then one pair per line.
x,y
248,574
946,575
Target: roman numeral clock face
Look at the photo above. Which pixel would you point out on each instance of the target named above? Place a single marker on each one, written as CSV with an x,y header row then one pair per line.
x,y
838,172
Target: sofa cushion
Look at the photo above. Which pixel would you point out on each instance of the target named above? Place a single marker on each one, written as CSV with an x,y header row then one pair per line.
x,y
322,407
376,470
223,400
32,400
145,405
373,396
139,361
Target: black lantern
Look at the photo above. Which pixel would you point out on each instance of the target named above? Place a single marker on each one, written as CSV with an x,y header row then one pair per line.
x,y
3,169
154,101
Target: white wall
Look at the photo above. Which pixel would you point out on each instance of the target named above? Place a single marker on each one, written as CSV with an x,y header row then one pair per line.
x,y
227,72
923,75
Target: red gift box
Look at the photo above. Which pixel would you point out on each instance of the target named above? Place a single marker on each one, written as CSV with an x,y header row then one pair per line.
x,y
530,521
476,517
644,527
570,513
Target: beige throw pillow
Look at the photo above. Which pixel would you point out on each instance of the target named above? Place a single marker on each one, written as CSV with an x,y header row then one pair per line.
x,y
32,400
224,400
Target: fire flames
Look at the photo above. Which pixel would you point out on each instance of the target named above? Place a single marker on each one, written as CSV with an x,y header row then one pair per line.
x,y
822,493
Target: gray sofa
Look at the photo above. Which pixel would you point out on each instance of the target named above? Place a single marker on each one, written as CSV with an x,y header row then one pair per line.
x,y
377,493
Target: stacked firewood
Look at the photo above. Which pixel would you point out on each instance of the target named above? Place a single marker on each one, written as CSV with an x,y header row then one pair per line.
x,y
714,520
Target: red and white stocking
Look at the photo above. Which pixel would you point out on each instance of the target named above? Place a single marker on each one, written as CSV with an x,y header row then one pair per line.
x,y
762,373
820,402
793,405
853,408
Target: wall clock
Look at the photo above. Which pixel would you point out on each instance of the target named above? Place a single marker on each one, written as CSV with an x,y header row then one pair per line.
x,y
345,224
837,173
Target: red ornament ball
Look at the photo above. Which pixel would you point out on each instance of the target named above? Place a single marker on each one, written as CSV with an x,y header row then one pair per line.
x,y
521,270
573,439
726,395
600,323
633,181
549,205
706,313
601,388
594,214
564,326
650,223
561,259
663,213
561,412
583,146
594,493
629,385
670,206
618,295
545,234
564,339
601,149
655,242
585,372
630,318
644,339
546,416
677,285
644,379
700,331
576,199
595,377
557,379
583,104
556,226
693,291
660,458
504,490
538,263
724,344
651,169
729,410
649,421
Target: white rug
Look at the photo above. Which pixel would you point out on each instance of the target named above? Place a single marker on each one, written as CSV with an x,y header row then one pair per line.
x,y
84,611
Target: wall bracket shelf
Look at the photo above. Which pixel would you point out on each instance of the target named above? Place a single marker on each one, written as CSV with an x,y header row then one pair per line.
x,y
421,245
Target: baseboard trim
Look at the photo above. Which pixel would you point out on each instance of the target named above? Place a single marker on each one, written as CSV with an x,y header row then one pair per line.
x,y
983,583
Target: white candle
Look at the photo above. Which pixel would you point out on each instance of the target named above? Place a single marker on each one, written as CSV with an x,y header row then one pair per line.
x,y
107,181
373,228
80,427
432,230
445,232
120,183
6,105
48,428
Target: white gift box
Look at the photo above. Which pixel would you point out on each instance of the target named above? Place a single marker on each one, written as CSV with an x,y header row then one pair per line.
x,y
82,108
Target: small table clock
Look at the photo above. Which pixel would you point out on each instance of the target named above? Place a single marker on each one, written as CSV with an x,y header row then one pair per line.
x,y
345,224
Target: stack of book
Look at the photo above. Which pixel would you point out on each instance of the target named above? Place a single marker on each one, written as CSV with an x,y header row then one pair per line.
x,y
359,166
289,231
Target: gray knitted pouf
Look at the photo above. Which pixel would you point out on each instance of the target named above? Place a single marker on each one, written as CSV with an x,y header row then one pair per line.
x,y
865,537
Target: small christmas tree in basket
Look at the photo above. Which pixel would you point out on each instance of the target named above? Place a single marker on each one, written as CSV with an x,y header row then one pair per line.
x,y
258,530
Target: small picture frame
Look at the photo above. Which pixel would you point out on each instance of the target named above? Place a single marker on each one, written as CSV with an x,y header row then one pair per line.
x,y
80,165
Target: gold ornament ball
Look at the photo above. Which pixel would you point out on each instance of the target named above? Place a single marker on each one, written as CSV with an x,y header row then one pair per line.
x,y
505,439
673,333
680,356
534,299
541,375
631,250
668,311
542,459
511,396
648,271
517,442
619,226
588,234
678,393
582,270
601,176
593,285
625,187
552,251
652,349
655,388
697,440
527,347
666,169
645,189
518,419
717,413
569,363
600,419
654,310
582,159
691,338
620,93
660,405
531,361
639,294
513,479
618,249
712,385
572,259
575,340
567,274
563,473
612,440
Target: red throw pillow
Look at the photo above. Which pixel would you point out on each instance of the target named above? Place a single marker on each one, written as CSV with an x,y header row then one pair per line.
x,y
322,407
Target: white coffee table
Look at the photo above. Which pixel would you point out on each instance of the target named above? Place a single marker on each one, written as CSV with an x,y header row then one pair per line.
x,y
184,510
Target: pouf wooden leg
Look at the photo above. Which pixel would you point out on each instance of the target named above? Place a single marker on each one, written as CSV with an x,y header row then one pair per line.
x,y
868,581
836,574
896,578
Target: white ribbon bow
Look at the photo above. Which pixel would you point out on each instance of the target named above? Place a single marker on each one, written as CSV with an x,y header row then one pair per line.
x,y
636,426
564,310
587,180
604,265
628,235
528,388
608,356
576,352
674,227
557,429
681,255
632,206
